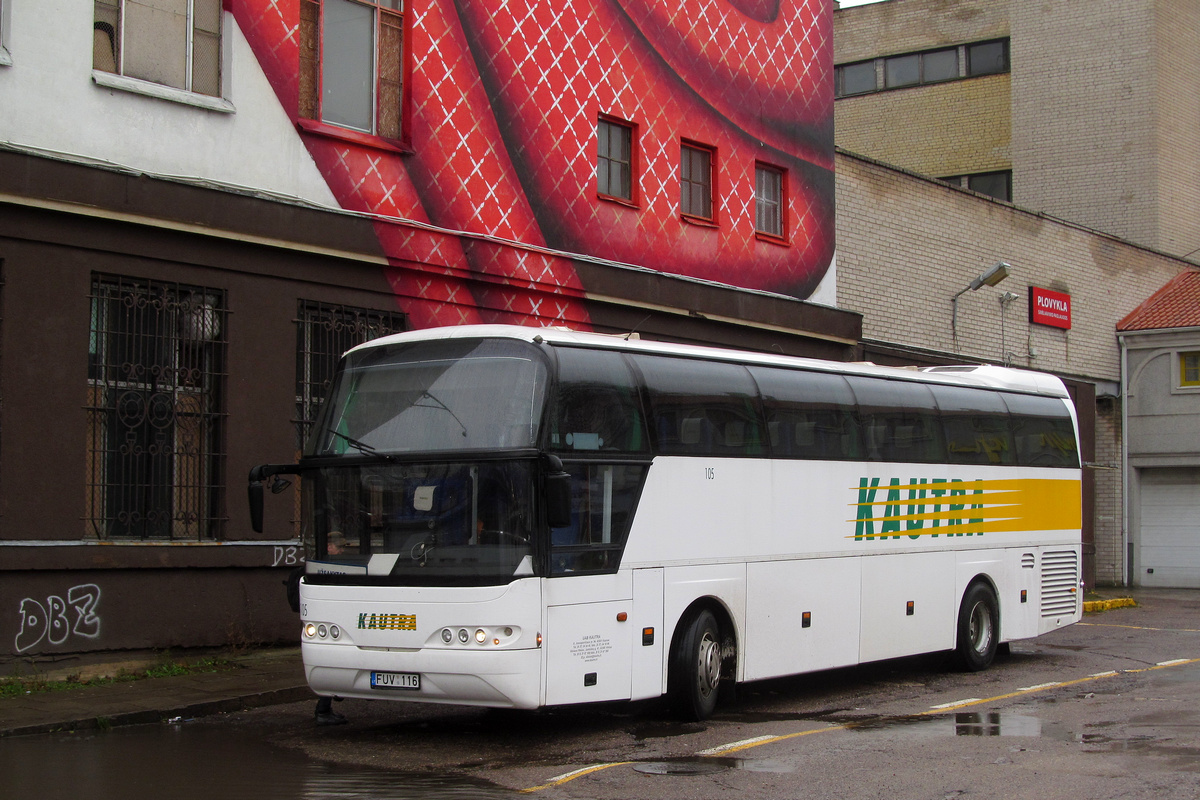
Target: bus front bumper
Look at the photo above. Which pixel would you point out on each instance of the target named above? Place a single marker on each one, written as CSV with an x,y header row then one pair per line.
x,y
497,678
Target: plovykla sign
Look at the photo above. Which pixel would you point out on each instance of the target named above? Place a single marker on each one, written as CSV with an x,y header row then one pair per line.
x,y
1047,307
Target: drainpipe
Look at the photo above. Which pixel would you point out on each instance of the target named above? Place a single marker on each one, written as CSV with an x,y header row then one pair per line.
x,y
1127,545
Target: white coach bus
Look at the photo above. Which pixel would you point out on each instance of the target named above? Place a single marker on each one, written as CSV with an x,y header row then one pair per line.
x,y
518,517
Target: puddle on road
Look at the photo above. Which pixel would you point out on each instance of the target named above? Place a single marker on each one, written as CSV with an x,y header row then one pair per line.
x,y
200,763
708,766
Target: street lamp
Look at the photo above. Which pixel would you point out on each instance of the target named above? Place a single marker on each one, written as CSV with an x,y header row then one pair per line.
x,y
990,278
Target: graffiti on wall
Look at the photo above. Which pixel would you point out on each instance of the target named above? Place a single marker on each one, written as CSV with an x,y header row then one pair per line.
x,y
287,556
501,141
56,620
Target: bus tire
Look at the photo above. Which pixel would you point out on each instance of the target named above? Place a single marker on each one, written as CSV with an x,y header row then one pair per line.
x,y
978,628
695,676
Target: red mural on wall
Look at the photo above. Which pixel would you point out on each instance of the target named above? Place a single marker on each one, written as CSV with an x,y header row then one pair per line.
x,y
503,107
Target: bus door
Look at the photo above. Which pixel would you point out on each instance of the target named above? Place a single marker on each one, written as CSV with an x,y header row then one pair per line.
x,y
588,638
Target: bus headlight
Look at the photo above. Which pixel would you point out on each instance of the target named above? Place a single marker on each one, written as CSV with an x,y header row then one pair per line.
x,y
447,636
481,636
310,630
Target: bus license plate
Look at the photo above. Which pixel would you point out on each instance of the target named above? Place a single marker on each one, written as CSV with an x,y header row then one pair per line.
x,y
395,680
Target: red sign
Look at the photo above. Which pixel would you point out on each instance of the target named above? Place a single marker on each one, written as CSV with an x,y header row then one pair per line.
x,y
1051,308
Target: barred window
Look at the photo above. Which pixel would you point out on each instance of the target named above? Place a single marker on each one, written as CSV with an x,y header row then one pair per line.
x,y
155,410
324,331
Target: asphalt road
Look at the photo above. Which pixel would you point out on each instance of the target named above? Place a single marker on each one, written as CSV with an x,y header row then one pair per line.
x,y
1103,709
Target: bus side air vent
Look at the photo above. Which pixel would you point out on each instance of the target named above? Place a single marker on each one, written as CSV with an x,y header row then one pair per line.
x,y
1060,583
1027,560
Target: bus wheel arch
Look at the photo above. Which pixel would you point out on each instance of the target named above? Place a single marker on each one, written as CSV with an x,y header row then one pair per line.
x,y
702,660
977,639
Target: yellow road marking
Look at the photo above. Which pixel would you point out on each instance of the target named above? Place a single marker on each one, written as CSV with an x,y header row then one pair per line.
x,y
759,741
1138,628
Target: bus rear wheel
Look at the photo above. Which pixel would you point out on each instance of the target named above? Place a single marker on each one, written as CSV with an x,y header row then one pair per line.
x,y
978,629
695,676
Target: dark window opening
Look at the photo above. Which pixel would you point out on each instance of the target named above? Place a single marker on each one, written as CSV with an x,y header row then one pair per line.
x,y
614,159
696,181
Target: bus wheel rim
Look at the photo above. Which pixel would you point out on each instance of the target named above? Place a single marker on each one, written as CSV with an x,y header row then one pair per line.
x,y
709,664
981,628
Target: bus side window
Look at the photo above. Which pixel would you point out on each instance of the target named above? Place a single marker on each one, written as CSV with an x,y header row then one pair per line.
x,y
702,407
596,405
976,425
1042,431
900,420
809,414
603,500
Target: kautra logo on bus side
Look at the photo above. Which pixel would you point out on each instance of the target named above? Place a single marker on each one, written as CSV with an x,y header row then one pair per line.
x,y
933,507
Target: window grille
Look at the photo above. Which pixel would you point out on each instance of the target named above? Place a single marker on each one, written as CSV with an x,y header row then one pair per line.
x,y
155,410
325,331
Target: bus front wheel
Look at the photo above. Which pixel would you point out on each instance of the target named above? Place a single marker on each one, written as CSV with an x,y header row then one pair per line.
x,y
695,676
978,628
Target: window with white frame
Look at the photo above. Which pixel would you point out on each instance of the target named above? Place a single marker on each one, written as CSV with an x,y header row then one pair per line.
x,y
769,187
353,63
175,43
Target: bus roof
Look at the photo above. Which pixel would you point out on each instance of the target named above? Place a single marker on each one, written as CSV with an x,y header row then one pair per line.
x,y
980,376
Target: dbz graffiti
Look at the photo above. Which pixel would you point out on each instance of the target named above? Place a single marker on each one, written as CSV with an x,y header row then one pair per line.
x,y
501,108
57,620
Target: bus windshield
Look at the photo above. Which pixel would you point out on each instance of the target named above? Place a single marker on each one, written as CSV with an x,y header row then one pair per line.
x,y
434,396
422,523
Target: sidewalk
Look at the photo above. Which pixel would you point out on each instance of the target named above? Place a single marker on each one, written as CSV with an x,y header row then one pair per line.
x,y
258,678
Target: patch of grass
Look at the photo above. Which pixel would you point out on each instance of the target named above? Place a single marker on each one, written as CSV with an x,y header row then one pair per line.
x,y
19,686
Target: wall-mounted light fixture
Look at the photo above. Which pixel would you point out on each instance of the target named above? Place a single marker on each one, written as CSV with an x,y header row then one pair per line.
x,y
990,278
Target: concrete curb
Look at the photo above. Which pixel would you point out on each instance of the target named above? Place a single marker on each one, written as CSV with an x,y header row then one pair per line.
x,y
162,714
252,680
1091,606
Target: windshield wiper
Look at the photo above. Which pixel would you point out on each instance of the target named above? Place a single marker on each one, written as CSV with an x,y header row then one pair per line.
x,y
437,403
361,447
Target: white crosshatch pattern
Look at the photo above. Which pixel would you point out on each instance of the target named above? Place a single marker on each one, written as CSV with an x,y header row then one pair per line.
x,y
504,101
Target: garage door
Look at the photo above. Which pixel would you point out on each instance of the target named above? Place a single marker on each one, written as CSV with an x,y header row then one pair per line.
x,y
1170,528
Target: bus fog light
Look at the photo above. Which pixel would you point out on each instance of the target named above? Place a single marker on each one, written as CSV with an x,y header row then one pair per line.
x,y
508,632
310,630
447,636
481,636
